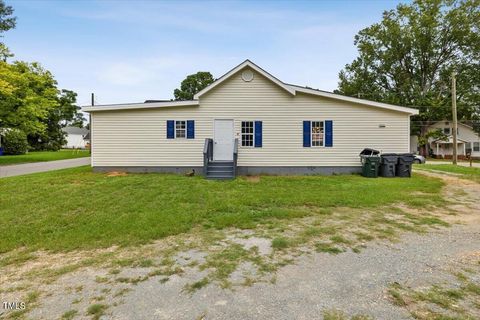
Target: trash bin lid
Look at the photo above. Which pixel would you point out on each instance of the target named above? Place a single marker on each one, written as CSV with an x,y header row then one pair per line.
x,y
389,157
406,157
369,152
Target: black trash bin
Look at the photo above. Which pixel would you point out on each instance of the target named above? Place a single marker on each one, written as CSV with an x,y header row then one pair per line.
x,y
404,165
388,165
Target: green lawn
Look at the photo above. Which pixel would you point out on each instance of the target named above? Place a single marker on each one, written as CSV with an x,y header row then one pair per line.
x,y
40,156
471,173
75,208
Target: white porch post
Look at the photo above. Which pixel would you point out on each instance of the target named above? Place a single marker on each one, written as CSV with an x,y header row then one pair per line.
x,y
464,152
437,149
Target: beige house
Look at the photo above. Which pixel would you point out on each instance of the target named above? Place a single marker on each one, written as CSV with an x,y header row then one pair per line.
x,y
246,122
468,141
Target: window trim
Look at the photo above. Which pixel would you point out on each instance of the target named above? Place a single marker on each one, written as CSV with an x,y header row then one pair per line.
x,y
175,129
311,134
253,133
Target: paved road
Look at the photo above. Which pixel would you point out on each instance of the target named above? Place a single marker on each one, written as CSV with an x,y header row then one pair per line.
x,y
27,168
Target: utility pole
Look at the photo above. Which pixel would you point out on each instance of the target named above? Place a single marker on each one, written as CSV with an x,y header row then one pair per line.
x,y
90,122
454,117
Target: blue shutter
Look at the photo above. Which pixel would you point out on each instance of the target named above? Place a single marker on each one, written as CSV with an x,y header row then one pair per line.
x,y
258,134
170,129
190,129
328,133
306,133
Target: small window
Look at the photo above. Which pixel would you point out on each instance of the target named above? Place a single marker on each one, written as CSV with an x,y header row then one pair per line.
x,y
446,130
468,147
247,133
476,146
180,129
317,133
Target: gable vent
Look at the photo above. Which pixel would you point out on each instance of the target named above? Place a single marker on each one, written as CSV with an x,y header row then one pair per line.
x,y
247,75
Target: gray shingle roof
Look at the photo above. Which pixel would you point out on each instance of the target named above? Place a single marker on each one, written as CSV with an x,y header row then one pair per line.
x,y
75,130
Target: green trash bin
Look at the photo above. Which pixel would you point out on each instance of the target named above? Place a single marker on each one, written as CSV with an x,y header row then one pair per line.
x,y
370,166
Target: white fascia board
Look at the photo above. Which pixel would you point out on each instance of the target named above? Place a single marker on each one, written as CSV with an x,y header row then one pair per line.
x,y
149,105
356,100
246,63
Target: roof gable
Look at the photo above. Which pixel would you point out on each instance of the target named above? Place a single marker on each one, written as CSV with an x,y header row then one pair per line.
x,y
243,65
291,89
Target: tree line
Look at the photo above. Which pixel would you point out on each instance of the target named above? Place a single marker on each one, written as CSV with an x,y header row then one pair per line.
x,y
33,109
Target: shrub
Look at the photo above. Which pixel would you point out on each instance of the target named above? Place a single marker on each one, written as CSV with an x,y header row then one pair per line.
x,y
15,142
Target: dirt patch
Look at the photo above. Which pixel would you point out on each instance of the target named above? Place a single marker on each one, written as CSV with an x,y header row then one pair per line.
x,y
116,174
463,196
253,179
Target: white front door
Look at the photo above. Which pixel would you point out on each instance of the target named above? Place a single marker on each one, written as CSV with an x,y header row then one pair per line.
x,y
223,140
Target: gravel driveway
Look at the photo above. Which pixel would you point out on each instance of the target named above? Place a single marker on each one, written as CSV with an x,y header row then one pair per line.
x,y
354,283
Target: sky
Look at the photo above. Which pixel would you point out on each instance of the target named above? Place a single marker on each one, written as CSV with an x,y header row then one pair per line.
x,y
131,51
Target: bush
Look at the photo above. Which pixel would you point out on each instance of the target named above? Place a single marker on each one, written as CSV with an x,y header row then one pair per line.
x,y
15,142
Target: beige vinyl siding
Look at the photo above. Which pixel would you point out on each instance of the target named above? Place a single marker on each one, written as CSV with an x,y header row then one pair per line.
x,y
138,137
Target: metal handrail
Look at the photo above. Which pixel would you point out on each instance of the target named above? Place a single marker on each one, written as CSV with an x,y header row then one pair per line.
x,y
207,153
235,157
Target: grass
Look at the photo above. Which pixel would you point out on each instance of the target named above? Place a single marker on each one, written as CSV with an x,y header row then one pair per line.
x,y
69,314
41,156
96,310
339,315
279,243
471,173
441,301
77,209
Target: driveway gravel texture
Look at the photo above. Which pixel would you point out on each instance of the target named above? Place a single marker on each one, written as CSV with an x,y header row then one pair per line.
x,y
355,283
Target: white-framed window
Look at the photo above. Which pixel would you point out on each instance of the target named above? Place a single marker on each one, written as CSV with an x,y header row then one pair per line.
x,y
476,146
317,133
180,129
468,147
248,133
446,130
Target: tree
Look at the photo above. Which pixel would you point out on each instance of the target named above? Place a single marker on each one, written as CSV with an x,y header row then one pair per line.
x,y
407,59
7,21
192,84
65,114
27,95
5,52
31,102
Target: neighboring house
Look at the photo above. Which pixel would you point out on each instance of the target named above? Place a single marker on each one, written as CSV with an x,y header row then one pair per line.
x,y
87,139
75,137
468,141
247,122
